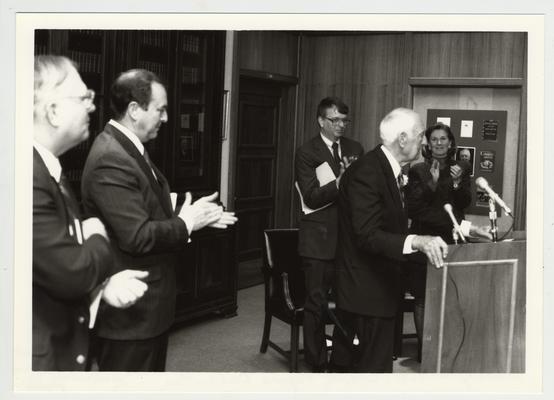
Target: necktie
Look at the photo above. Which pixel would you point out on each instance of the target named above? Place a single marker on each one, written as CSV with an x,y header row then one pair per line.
x,y
70,201
74,223
335,147
149,162
400,182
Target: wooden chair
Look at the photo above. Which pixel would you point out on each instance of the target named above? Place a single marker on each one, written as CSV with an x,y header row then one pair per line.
x,y
285,291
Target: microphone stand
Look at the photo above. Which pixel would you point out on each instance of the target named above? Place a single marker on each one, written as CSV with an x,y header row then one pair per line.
x,y
455,235
492,217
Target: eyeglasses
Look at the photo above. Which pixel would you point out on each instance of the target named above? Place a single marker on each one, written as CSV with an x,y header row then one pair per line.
x,y
87,99
337,121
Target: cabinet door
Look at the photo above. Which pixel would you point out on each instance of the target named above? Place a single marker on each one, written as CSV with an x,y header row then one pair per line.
x,y
207,275
216,266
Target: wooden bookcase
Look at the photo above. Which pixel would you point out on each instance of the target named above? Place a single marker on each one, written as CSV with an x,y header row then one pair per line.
x,y
188,147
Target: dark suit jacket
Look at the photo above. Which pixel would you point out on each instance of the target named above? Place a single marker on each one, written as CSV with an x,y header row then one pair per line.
x,y
118,187
425,206
318,230
372,229
64,273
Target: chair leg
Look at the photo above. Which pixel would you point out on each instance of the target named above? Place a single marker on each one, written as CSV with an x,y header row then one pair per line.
x,y
294,338
265,336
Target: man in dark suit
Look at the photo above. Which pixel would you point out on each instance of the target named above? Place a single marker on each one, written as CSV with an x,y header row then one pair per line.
x,y
71,257
374,243
131,196
329,150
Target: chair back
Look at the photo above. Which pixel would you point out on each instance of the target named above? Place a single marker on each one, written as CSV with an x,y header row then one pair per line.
x,y
283,266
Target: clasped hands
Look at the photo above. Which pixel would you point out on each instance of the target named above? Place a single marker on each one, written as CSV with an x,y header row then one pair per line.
x,y
455,172
344,164
204,212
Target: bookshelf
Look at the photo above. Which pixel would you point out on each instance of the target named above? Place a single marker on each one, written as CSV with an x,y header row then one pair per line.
x,y
188,146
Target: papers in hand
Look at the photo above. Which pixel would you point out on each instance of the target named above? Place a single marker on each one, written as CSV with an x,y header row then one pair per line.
x,y
324,175
95,296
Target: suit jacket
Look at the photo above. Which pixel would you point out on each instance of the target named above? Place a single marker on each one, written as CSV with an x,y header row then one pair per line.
x,y
118,187
425,206
372,229
64,273
318,230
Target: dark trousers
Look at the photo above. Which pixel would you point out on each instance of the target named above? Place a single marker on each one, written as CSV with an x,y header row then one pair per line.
x,y
374,352
319,276
146,355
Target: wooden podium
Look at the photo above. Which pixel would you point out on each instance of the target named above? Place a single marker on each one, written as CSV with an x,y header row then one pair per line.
x,y
475,310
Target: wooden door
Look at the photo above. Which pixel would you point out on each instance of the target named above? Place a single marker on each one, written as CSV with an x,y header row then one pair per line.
x,y
256,161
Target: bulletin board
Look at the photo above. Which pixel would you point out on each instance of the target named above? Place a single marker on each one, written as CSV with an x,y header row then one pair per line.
x,y
481,140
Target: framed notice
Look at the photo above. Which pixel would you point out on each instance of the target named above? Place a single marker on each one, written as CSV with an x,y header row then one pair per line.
x,y
467,155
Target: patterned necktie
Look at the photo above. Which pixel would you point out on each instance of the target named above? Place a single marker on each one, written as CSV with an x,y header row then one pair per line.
x,y
70,201
400,182
74,222
335,147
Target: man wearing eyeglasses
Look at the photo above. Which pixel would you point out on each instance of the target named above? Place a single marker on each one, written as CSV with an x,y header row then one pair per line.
x,y
71,257
124,187
319,166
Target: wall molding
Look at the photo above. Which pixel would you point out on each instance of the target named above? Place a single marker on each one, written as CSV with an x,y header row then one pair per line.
x,y
466,82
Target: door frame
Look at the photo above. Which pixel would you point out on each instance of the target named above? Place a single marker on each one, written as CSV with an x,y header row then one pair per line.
x,y
287,123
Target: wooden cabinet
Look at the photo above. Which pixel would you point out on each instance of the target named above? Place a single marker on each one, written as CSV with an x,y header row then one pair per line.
x,y
188,147
207,275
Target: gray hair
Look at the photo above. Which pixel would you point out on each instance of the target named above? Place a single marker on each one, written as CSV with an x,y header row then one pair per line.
x,y
397,121
50,72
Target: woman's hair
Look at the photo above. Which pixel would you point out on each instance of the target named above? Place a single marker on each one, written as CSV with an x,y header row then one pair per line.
x,y
426,150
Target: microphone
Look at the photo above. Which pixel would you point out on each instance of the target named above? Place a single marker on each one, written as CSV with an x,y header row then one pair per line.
x,y
448,208
483,184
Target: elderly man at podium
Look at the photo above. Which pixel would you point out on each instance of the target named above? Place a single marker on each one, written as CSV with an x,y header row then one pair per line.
x,y
373,244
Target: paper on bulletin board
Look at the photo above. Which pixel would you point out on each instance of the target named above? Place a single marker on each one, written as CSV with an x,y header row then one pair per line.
x,y
466,129
443,120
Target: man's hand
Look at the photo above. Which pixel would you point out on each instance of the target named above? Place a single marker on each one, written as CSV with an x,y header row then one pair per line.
x,y
92,226
347,161
434,248
123,289
202,212
227,218
480,231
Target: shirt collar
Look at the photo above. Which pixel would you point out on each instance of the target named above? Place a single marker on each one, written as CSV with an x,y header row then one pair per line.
x,y
50,160
396,169
328,142
130,135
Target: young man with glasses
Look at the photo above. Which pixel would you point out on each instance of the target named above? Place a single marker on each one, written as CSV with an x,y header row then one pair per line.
x,y
319,166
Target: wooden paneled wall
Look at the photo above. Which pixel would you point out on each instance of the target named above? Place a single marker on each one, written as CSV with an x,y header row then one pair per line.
x,y
370,71
269,51
467,55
